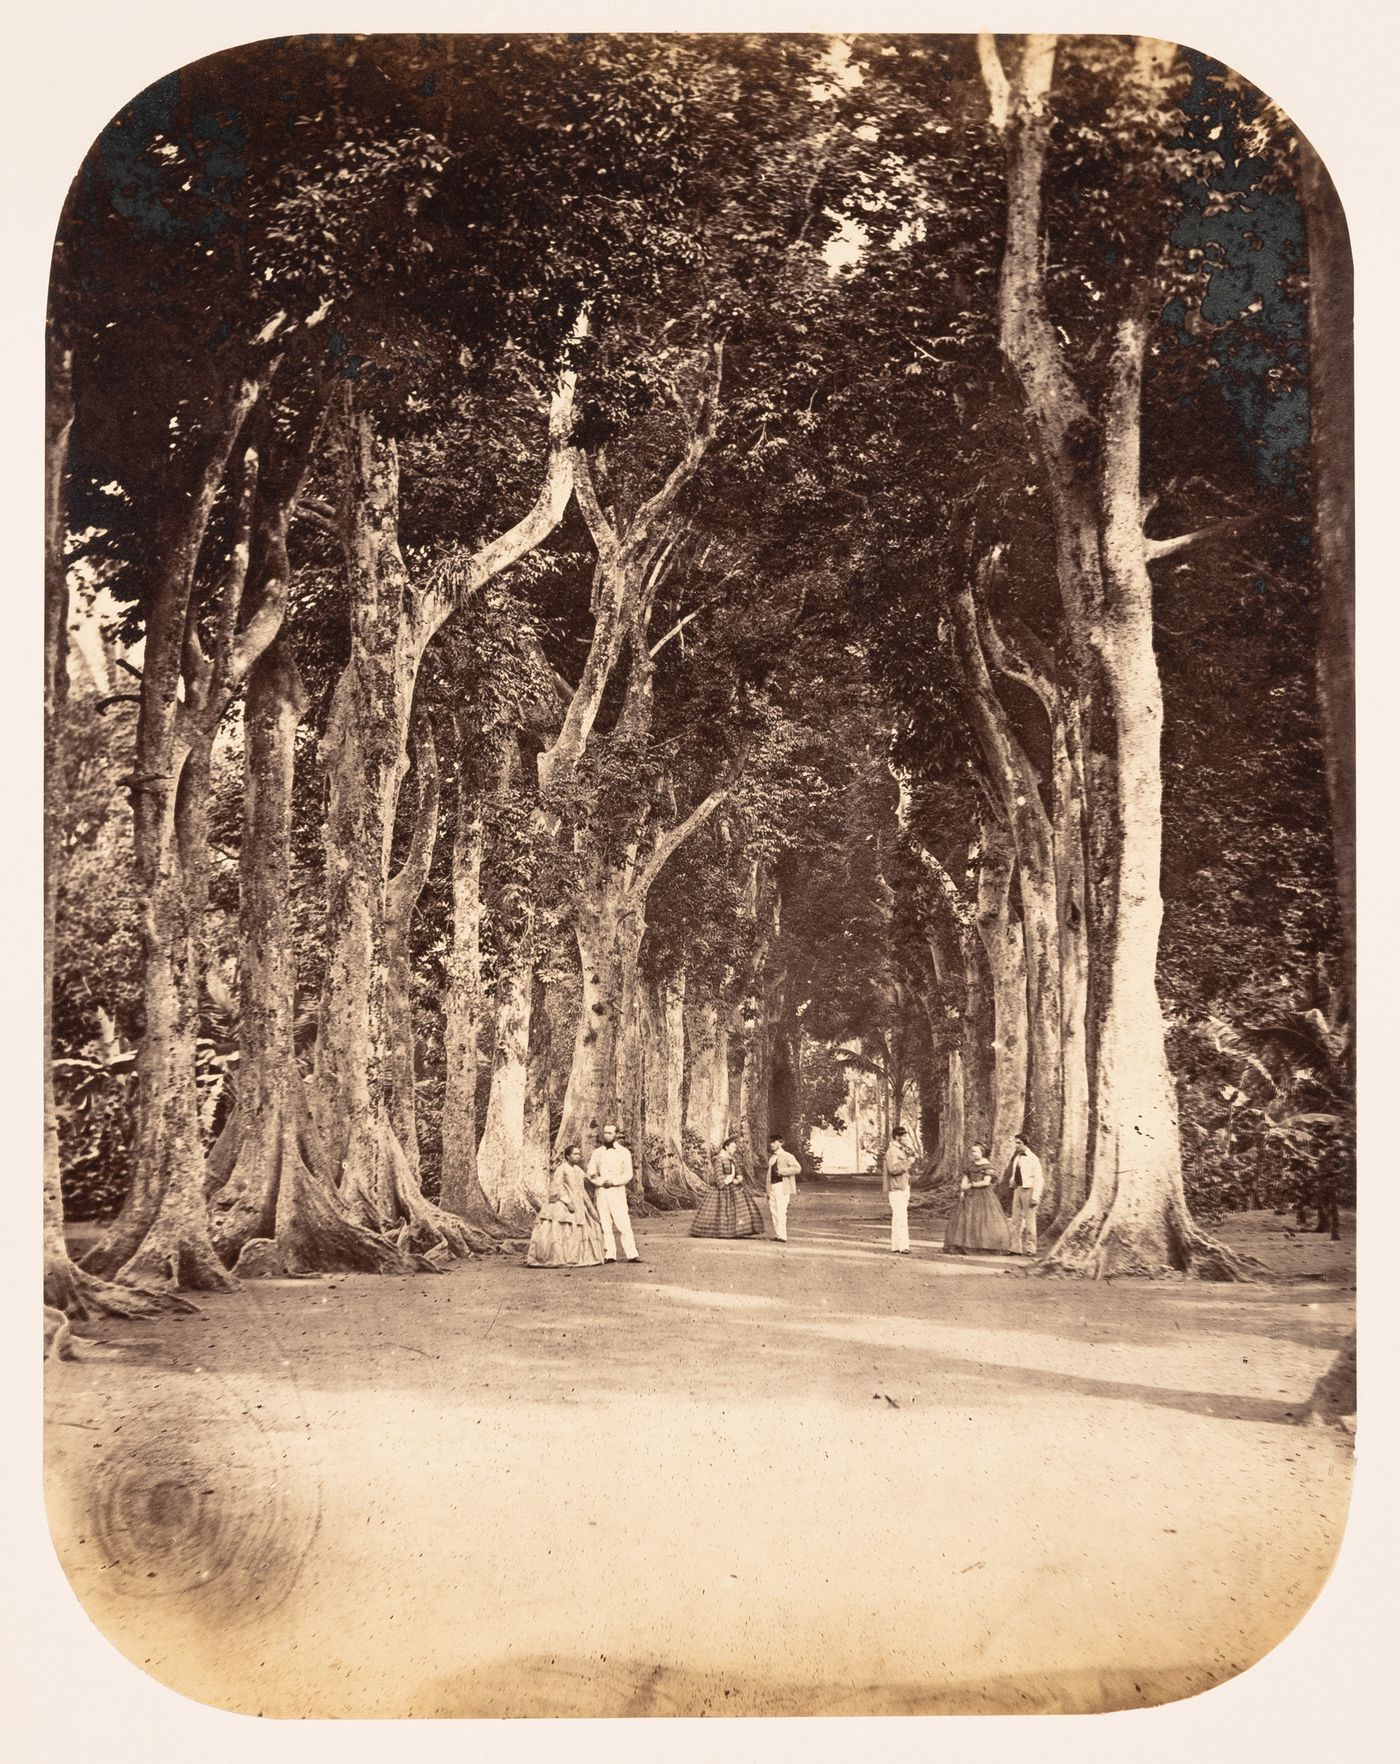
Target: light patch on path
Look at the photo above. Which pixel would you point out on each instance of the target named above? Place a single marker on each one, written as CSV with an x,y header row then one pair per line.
x,y
507,1491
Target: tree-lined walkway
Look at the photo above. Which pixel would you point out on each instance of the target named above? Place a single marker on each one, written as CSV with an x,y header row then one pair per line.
x,y
503,1491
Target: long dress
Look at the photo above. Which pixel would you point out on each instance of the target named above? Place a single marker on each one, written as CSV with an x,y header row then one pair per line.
x,y
977,1222
728,1210
568,1232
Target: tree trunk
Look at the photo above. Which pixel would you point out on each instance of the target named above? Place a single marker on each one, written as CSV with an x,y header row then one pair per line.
x,y
609,942
462,1192
928,1116
269,1172
1073,909
1018,790
1332,422
1002,939
1044,1078
165,1241
161,1237
977,1035
515,1185
537,1139
402,896
953,1136
358,1085
1135,1218
668,1179
627,1083
947,1004
758,1021
707,1098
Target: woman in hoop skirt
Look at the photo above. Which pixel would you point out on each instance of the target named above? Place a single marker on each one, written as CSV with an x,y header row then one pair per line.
x,y
728,1210
568,1232
977,1223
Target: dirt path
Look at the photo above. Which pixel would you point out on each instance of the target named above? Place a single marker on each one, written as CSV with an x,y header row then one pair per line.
x,y
741,1479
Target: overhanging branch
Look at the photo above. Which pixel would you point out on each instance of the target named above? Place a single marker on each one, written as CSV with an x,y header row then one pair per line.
x,y
1160,548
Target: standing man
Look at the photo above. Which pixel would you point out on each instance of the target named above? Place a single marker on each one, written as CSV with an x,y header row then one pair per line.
x,y
780,1184
610,1170
894,1179
1025,1176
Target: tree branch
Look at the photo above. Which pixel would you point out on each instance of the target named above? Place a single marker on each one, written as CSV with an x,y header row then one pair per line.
x,y
457,577
964,914
1159,548
601,529
236,580
267,616
677,628
405,887
670,842
688,464
1033,678
566,751
320,515
995,80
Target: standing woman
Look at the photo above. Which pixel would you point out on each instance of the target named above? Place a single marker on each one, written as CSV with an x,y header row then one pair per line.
x,y
978,1222
568,1232
728,1210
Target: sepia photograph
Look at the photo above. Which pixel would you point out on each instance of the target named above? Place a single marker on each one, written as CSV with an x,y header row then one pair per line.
x,y
699,827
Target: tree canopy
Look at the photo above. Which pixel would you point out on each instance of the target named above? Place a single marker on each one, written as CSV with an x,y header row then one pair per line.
x,y
714,582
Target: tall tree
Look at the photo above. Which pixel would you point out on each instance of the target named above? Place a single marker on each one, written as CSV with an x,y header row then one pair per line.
x,y
1135,1218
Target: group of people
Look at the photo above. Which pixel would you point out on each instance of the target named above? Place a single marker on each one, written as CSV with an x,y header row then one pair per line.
x,y
585,1220
978,1221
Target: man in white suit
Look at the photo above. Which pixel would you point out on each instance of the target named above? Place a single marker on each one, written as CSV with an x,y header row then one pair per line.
x,y
609,1171
1025,1176
781,1184
894,1179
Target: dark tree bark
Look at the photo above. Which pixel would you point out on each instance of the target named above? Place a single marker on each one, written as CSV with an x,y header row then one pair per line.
x,y
67,1288
396,977
1022,807
1003,943
707,1092
667,1176
269,1171
1331,384
161,1237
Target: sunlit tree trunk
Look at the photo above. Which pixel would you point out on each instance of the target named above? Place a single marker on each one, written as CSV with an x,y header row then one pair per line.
x,y
514,1180
461,1191
1135,1219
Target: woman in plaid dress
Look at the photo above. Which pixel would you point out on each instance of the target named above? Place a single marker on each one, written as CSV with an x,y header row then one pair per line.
x,y
728,1210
